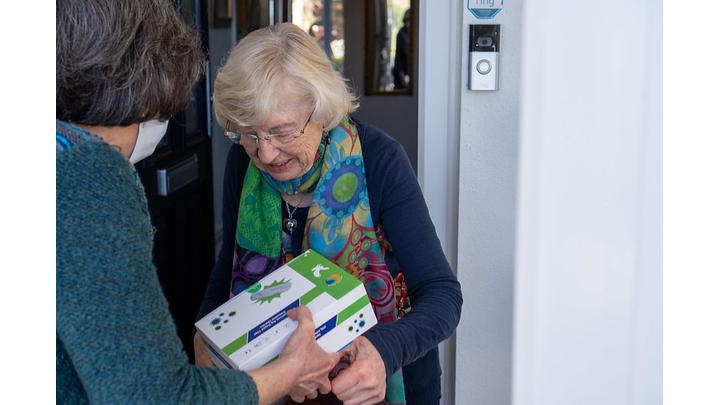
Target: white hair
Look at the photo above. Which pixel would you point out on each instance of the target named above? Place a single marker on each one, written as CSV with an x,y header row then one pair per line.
x,y
249,86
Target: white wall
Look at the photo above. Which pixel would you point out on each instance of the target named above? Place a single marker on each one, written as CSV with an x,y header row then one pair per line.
x,y
488,161
588,278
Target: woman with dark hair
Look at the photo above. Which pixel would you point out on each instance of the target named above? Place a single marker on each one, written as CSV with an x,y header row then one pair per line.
x,y
122,68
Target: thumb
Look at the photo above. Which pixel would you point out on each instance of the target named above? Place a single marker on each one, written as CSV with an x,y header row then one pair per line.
x,y
303,315
349,350
336,356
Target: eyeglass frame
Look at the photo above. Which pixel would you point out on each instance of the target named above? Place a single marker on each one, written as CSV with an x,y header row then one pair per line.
x,y
236,137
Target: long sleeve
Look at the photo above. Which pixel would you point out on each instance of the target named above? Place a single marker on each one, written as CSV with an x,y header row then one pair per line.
x,y
433,289
218,289
112,318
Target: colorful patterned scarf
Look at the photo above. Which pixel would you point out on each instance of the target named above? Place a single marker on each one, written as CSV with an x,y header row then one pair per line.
x,y
339,225
258,225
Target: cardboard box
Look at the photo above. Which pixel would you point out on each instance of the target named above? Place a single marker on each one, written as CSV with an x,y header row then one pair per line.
x,y
252,328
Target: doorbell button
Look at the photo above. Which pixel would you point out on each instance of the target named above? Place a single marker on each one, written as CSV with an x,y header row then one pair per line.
x,y
484,67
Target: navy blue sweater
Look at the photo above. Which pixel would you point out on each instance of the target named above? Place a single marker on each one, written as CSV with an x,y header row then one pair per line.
x,y
396,202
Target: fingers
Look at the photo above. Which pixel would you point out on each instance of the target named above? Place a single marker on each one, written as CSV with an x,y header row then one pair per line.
x,y
345,381
357,390
364,397
301,393
362,382
325,387
351,351
303,316
361,397
202,358
204,361
335,358
300,314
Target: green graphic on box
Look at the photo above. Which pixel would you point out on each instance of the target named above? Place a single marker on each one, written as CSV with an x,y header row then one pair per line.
x,y
252,328
326,275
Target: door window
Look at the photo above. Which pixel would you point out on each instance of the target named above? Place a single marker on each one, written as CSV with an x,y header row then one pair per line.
x,y
311,16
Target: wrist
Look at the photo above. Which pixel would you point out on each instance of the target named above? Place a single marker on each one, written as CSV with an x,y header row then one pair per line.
x,y
275,380
386,354
291,367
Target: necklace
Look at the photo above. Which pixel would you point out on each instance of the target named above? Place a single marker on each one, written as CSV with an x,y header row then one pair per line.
x,y
290,223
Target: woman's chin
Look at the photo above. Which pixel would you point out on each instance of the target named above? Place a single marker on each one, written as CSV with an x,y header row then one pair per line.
x,y
283,177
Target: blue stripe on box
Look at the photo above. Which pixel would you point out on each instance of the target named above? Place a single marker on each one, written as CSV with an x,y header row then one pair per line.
x,y
272,321
321,330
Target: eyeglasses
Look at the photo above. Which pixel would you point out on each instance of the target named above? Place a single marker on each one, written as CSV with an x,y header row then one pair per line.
x,y
282,138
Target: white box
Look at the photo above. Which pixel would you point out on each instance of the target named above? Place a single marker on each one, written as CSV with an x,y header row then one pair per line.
x,y
252,328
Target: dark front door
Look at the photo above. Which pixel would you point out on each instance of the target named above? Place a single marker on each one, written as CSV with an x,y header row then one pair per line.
x,y
178,185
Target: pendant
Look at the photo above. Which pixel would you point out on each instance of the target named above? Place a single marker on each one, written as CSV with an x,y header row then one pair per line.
x,y
290,224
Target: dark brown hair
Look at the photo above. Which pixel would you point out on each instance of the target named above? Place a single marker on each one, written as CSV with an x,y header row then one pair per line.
x,y
121,62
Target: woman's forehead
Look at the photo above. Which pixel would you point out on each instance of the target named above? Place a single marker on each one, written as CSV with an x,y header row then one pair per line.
x,y
277,117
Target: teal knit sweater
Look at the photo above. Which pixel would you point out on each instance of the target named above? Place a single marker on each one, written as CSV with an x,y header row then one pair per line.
x,y
116,341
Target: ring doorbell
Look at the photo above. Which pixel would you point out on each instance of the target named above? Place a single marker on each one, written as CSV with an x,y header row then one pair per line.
x,y
484,50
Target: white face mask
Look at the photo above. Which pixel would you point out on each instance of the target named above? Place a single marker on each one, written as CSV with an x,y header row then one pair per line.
x,y
149,135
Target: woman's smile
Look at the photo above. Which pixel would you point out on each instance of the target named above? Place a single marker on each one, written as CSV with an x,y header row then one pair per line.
x,y
279,167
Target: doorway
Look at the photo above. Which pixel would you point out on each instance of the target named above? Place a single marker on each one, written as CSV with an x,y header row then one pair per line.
x,y
178,184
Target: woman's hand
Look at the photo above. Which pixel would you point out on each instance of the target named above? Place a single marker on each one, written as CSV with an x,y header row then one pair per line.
x,y
202,357
364,381
314,362
301,368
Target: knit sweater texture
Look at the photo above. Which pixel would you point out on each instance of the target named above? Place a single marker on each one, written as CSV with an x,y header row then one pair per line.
x,y
115,338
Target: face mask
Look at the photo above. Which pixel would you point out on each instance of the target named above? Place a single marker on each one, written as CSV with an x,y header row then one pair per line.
x,y
149,135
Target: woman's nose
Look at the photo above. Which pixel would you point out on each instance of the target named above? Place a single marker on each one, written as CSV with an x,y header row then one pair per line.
x,y
266,151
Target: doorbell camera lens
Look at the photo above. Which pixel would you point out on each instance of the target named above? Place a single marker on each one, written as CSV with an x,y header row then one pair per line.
x,y
484,41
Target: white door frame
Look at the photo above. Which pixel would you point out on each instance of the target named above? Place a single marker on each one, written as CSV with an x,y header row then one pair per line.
x,y
439,58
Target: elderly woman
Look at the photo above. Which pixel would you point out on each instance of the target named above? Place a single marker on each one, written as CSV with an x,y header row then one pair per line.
x,y
303,174
122,68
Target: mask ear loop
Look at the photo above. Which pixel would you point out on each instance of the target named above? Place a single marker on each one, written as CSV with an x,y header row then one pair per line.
x,y
137,138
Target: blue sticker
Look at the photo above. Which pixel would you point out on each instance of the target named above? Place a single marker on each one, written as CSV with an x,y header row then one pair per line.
x,y
485,9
